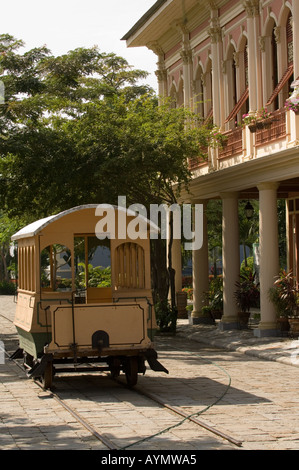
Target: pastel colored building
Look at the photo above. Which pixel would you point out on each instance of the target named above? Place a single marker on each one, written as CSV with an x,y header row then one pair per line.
x,y
225,59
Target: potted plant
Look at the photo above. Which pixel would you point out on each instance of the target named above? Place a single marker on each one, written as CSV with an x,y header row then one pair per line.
x,y
215,298
257,120
284,296
292,103
246,296
166,317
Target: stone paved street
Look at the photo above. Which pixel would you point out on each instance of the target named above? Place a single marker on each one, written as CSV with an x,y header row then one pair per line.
x,y
251,399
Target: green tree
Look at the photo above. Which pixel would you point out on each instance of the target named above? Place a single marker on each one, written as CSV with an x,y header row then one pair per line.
x,y
79,129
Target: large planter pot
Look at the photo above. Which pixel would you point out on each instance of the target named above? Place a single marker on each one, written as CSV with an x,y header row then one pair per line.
x,y
252,128
264,124
181,298
283,325
217,314
243,318
294,326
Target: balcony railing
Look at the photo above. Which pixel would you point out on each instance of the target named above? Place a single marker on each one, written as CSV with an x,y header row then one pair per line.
x,y
272,129
234,143
267,131
198,162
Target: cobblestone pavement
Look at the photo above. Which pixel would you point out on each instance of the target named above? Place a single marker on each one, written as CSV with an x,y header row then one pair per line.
x,y
246,387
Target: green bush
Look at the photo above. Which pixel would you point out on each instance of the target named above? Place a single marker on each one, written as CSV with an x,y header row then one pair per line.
x,y
7,288
166,316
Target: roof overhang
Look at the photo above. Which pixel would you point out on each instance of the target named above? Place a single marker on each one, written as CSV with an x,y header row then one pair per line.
x,y
162,17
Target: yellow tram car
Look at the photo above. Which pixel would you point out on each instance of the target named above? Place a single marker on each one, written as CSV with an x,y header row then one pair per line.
x,y
85,299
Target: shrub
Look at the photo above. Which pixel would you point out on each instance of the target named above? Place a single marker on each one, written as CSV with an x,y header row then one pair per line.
x,y
7,288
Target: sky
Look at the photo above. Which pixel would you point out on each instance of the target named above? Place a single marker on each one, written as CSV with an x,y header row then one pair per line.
x,y
63,25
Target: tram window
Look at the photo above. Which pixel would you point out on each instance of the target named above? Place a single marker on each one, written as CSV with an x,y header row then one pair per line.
x,y
56,274
95,254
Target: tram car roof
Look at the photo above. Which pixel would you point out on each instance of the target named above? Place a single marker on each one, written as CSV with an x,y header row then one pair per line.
x,y
36,227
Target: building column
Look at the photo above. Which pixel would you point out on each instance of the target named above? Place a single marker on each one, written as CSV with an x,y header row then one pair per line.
x,y
161,72
230,259
269,257
252,11
295,14
186,55
215,34
161,75
200,275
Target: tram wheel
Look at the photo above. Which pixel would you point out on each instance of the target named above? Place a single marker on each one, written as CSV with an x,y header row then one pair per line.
x,y
132,371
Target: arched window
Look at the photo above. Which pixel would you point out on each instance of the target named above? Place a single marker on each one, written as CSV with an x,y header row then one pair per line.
x,y
198,94
208,92
180,93
237,83
281,79
173,95
274,67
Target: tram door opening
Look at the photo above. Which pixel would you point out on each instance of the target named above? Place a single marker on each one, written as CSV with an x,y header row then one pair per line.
x,y
92,269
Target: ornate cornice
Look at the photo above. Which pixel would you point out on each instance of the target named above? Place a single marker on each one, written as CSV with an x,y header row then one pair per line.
x,y
155,47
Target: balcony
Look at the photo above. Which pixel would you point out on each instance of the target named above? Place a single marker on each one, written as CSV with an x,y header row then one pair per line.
x,y
267,132
273,130
234,143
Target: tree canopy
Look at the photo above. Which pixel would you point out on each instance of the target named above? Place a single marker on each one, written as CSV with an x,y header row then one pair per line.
x,y
78,128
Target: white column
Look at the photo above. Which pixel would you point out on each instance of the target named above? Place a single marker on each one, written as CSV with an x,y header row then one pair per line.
x,y
295,14
252,11
258,60
269,256
200,275
187,65
161,75
230,259
217,81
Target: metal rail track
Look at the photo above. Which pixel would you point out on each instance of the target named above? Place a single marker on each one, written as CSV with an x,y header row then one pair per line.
x,y
182,413
106,441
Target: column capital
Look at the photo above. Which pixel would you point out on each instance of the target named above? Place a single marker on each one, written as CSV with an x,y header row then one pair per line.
x,y
186,55
215,34
271,185
161,75
252,8
229,195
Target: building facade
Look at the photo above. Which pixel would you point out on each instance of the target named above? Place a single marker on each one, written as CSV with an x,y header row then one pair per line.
x,y
235,62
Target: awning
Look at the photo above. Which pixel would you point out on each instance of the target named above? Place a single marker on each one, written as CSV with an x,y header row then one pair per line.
x,y
286,76
238,106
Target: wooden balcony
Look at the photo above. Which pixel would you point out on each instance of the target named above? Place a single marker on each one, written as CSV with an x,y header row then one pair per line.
x,y
268,131
234,143
272,129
